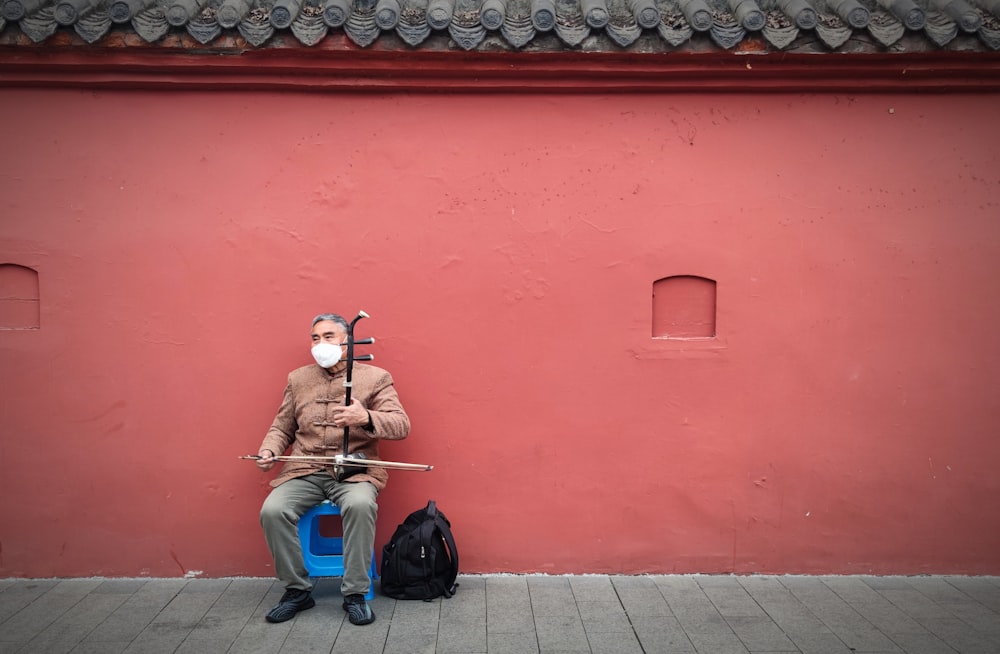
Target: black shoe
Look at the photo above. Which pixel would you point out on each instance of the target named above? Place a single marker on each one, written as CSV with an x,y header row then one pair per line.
x,y
293,601
358,611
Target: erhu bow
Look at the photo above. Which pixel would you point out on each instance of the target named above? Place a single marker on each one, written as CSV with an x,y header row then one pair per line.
x,y
339,460
347,464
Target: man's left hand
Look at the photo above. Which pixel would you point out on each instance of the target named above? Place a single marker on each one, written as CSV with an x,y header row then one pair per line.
x,y
355,415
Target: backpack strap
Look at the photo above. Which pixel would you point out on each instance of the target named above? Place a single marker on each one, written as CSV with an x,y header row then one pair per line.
x,y
449,540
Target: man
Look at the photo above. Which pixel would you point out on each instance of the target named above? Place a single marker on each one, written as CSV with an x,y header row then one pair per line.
x,y
311,421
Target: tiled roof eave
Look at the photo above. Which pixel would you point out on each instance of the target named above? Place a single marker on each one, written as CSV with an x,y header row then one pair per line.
x,y
640,26
179,62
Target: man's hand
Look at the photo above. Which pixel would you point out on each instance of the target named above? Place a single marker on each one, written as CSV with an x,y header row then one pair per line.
x,y
354,415
266,460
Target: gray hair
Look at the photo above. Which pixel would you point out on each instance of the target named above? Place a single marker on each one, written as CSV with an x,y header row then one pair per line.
x,y
334,318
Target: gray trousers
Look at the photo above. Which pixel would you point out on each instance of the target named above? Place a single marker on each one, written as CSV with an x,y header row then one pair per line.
x,y
279,516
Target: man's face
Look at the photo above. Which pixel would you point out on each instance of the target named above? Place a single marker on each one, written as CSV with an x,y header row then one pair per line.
x,y
327,331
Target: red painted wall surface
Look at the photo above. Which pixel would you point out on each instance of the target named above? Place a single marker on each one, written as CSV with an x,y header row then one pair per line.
x,y
843,420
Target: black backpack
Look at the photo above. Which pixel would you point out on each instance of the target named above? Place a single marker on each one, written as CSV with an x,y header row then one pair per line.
x,y
420,561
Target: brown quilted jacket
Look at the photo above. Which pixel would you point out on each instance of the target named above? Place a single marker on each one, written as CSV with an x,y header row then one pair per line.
x,y
304,420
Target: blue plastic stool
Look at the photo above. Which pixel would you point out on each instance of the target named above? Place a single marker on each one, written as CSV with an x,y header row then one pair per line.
x,y
324,555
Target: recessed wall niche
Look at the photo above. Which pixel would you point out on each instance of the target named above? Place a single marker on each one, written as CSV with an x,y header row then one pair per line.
x,y
684,307
19,303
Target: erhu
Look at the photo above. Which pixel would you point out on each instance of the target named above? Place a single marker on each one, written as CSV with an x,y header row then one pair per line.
x,y
346,465
342,470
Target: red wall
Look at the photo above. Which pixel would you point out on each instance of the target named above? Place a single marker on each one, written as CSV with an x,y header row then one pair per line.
x,y
844,420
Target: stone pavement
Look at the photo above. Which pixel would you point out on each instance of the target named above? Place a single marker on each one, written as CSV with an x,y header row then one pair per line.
x,y
513,614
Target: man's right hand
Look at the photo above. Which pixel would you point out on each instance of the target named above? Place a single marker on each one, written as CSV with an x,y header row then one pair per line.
x,y
266,460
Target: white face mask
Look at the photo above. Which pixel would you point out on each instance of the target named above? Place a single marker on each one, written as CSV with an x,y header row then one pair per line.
x,y
327,354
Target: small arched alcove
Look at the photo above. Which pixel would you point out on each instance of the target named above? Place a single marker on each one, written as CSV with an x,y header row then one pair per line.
x,y
684,307
19,303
